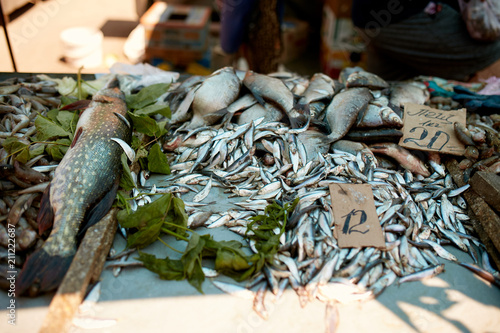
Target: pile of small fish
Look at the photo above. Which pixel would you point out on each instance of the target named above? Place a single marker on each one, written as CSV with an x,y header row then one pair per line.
x,y
21,101
279,137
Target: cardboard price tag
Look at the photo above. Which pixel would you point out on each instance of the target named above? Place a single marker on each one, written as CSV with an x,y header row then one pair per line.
x,y
356,220
431,129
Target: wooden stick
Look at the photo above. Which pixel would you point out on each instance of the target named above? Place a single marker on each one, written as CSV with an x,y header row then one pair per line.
x,y
487,185
86,267
485,221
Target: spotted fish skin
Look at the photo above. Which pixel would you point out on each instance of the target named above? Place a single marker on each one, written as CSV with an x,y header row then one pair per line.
x,y
89,170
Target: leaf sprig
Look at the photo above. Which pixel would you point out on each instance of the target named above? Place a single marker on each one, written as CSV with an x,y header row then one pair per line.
x,y
165,215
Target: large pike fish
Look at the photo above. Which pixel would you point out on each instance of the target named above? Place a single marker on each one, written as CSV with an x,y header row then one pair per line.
x,y
82,190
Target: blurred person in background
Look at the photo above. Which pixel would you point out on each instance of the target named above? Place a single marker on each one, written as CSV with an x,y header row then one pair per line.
x,y
253,27
407,38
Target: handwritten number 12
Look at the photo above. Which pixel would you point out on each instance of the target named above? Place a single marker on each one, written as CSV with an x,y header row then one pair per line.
x,y
347,229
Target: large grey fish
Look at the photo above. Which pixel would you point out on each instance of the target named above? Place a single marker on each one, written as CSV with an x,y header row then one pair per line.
x,y
216,92
344,73
256,111
375,116
82,190
408,92
354,148
365,79
274,91
320,87
343,111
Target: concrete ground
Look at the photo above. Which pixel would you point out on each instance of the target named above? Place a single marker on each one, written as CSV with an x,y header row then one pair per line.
x,y
34,35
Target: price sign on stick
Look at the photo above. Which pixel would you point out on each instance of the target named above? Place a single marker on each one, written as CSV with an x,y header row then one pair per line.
x,y
431,129
356,220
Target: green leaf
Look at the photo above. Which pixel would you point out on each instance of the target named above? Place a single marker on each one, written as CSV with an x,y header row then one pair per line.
x,y
136,143
65,100
157,161
68,120
52,114
126,180
143,214
179,214
122,202
146,235
148,95
197,277
47,129
37,150
147,125
58,149
166,268
227,260
150,110
18,149
192,253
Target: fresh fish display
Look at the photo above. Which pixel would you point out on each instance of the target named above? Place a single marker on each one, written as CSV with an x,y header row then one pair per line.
x,y
257,153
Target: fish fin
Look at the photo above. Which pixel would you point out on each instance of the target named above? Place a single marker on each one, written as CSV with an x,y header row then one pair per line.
x,y
398,110
320,125
42,273
227,116
76,137
123,119
78,105
99,210
213,117
45,216
258,97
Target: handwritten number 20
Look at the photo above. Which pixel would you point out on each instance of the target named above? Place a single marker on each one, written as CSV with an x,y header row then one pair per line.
x,y
424,134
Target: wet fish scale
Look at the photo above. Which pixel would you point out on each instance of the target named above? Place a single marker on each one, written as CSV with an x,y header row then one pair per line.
x,y
87,171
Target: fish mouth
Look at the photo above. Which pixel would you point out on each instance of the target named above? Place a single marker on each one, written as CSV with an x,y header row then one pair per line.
x,y
112,83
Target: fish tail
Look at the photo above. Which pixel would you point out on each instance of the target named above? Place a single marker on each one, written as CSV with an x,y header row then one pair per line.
x,y
303,117
41,273
331,138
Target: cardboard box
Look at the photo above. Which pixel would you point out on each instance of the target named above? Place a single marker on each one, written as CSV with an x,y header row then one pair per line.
x,y
341,45
295,37
176,33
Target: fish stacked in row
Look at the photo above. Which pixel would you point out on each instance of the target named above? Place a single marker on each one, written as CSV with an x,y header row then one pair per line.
x,y
21,184
481,137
